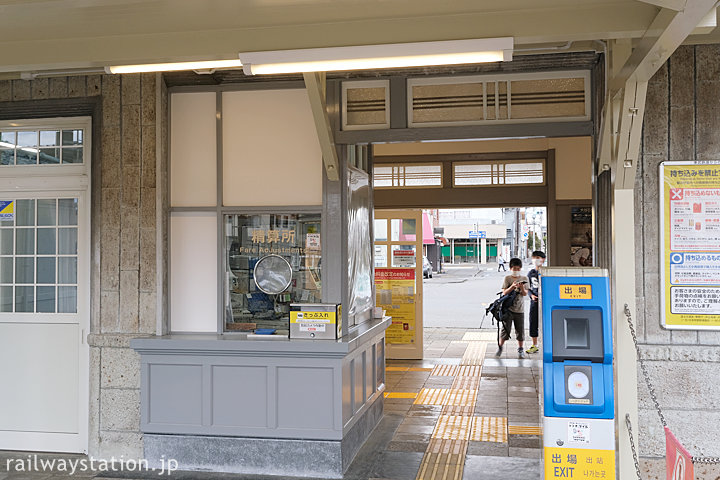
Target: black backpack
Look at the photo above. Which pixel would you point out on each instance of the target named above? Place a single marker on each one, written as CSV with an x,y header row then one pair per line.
x,y
500,308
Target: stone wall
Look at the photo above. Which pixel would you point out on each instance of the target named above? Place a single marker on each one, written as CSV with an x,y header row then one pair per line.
x,y
124,231
682,122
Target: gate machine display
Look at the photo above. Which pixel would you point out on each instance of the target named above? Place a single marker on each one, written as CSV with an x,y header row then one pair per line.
x,y
578,392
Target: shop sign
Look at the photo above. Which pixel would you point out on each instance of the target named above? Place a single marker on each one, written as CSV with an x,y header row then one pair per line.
x,y
678,460
690,244
395,292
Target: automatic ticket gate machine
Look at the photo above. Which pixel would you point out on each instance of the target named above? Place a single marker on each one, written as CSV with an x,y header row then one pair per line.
x,y
578,395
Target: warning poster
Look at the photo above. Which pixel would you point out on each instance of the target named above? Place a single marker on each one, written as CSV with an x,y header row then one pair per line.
x,y
395,291
690,244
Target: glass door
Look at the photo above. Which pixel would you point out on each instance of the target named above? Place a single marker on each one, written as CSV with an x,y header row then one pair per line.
x,y
398,279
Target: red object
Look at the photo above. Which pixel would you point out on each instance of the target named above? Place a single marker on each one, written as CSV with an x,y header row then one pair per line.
x,y
697,207
679,464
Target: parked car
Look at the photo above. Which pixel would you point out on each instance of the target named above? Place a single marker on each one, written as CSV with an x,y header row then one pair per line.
x,y
427,268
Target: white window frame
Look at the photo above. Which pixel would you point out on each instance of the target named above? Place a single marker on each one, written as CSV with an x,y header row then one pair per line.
x,y
418,164
495,163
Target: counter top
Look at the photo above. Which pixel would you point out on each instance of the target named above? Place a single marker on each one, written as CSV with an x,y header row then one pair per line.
x,y
240,344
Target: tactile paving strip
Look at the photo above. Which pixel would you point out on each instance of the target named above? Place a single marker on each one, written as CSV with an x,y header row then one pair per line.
x,y
447,396
444,459
524,430
479,336
455,410
467,383
452,427
474,354
444,371
489,429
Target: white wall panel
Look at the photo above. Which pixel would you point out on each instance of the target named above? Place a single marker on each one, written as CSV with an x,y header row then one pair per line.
x,y
271,154
193,272
193,150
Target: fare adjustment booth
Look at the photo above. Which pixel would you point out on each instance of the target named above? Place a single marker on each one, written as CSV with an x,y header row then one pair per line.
x,y
273,363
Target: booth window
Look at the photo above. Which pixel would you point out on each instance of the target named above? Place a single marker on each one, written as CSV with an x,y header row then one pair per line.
x,y
272,260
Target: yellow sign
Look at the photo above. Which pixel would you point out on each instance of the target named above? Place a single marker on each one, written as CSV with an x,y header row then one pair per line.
x,y
690,244
576,292
579,463
314,317
395,292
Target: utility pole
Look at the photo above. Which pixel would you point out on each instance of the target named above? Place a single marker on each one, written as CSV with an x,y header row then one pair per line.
x,y
477,245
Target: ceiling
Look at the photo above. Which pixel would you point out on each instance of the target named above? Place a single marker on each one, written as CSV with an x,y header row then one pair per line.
x,y
67,34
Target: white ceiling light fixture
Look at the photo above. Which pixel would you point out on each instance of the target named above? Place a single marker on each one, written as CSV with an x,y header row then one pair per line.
x,y
174,67
395,55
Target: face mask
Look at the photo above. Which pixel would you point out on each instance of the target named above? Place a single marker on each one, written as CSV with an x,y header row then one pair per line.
x,y
538,262
515,273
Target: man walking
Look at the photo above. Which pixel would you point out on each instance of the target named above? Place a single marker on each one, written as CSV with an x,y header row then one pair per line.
x,y
518,282
538,258
501,263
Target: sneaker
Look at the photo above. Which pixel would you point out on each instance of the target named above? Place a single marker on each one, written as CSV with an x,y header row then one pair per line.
x,y
499,352
521,354
532,349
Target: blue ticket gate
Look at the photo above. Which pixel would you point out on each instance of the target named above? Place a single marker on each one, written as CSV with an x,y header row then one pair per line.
x,y
578,385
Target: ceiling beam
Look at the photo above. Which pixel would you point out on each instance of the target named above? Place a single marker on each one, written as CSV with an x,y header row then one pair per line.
x,y
625,103
315,86
676,5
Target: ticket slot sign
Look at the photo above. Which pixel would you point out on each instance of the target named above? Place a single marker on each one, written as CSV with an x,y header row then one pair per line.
x,y
315,320
690,245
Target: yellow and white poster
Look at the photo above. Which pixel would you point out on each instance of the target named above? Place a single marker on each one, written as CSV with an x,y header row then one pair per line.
x,y
395,292
690,245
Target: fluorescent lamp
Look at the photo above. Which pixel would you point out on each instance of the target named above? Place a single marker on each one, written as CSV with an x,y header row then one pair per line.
x,y
174,67
396,55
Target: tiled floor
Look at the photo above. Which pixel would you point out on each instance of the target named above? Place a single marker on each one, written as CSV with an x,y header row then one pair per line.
x,y
461,413
485,409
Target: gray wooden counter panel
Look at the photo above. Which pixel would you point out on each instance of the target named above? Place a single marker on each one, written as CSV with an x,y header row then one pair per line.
x,y
225,385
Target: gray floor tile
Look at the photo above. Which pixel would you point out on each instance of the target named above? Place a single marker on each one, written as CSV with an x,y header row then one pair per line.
x,y
525,452
398,465
488,449
524,441
500,468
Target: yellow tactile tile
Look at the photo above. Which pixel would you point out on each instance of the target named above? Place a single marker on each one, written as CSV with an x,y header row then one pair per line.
x,y
444,371
446,396
396,369
489,429
479,336
524,430
432,396
452,427
456,371
457,410
466,383
475,354
444,459
462,398
401,394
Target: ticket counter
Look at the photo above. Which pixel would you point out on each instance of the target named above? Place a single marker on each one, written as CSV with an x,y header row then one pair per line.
x,y
252,237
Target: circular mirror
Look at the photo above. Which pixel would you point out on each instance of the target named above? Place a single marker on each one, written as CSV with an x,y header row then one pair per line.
x,y
272,274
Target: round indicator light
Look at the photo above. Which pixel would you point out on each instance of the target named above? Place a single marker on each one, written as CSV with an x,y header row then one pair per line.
x,y
578,384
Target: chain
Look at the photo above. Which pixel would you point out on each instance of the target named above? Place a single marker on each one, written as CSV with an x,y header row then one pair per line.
x,y
643,368
704,460
628,424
